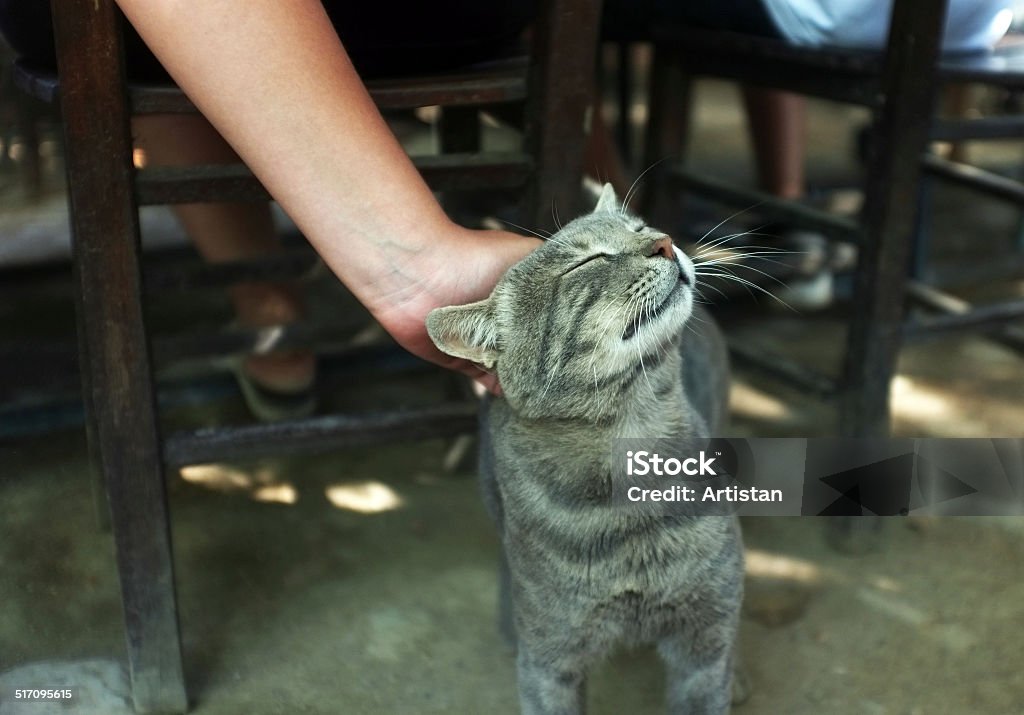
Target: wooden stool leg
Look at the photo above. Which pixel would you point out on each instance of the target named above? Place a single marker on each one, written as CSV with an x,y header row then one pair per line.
x,y
116,366
561,89
901,132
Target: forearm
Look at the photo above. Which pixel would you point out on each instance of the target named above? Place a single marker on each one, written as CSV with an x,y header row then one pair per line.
x,y
273,78
276,82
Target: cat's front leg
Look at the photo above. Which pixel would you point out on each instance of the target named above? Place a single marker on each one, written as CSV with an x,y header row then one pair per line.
x,y
506,615
550,688
698,677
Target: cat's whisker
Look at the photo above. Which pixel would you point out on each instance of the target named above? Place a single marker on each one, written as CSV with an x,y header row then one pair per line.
x,y
769,276
737,264
727,237
603,320
770,249
547,385
647,300
717,242
737,252
714,288
546,236
738,258
751,284
607,319
729,218
558,241
636,184
554,214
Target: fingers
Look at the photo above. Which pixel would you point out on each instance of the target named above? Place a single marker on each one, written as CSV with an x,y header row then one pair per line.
x,y
487,380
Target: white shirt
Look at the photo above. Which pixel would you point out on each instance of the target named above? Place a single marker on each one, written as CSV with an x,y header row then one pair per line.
x,y
971,26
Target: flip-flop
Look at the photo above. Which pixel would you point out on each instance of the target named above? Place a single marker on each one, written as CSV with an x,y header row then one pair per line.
x,y
271,405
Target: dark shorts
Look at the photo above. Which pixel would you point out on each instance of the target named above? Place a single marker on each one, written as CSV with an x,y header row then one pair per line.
x,y
631,20
383,38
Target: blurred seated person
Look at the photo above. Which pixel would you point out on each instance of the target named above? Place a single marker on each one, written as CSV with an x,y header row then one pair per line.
x,y
777,120
273,61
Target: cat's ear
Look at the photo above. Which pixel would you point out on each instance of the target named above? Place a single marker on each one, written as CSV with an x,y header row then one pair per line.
x,y
466,331
609,201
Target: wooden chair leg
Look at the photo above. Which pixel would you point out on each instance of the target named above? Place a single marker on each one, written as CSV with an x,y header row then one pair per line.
x,y
624,98
96,477
561,89
669,117
116,368
901,133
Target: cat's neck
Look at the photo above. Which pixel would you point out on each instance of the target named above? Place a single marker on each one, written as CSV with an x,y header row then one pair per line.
x,y
579,455
654,406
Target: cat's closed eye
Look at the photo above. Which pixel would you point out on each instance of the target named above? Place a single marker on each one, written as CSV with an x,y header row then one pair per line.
x,y
584,262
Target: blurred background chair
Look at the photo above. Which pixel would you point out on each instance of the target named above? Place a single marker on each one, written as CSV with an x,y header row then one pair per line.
x,y
105,190
930,290
900,87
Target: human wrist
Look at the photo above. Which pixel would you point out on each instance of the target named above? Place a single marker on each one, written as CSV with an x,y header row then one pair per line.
x,y
458,266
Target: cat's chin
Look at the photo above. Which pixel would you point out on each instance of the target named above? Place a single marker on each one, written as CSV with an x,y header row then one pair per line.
x,y
668,317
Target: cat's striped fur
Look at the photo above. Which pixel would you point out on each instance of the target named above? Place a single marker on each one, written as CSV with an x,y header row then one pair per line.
x,y
588,336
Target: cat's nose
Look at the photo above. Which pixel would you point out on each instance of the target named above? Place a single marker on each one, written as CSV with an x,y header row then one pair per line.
x,y
661,247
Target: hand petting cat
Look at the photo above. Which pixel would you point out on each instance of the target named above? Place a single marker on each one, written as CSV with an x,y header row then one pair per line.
x,y
335,166
460,268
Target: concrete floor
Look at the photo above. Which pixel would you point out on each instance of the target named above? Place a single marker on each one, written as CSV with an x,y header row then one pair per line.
x,y
363,581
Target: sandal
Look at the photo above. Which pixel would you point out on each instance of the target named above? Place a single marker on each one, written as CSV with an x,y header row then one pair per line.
x,y
268,404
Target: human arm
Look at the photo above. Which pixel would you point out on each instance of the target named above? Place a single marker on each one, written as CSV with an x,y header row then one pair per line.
x,y
274,79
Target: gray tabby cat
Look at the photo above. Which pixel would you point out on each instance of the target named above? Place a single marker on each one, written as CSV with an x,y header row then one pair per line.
x,y
588,338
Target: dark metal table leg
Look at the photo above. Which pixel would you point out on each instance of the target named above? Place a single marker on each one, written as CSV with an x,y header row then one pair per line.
x,y
900,136
116,364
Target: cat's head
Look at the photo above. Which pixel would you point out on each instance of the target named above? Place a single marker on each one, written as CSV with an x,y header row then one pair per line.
x,y
568,327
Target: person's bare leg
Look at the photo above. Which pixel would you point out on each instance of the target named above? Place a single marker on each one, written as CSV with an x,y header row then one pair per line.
x,y
275,80
957,102
778,130
224,232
